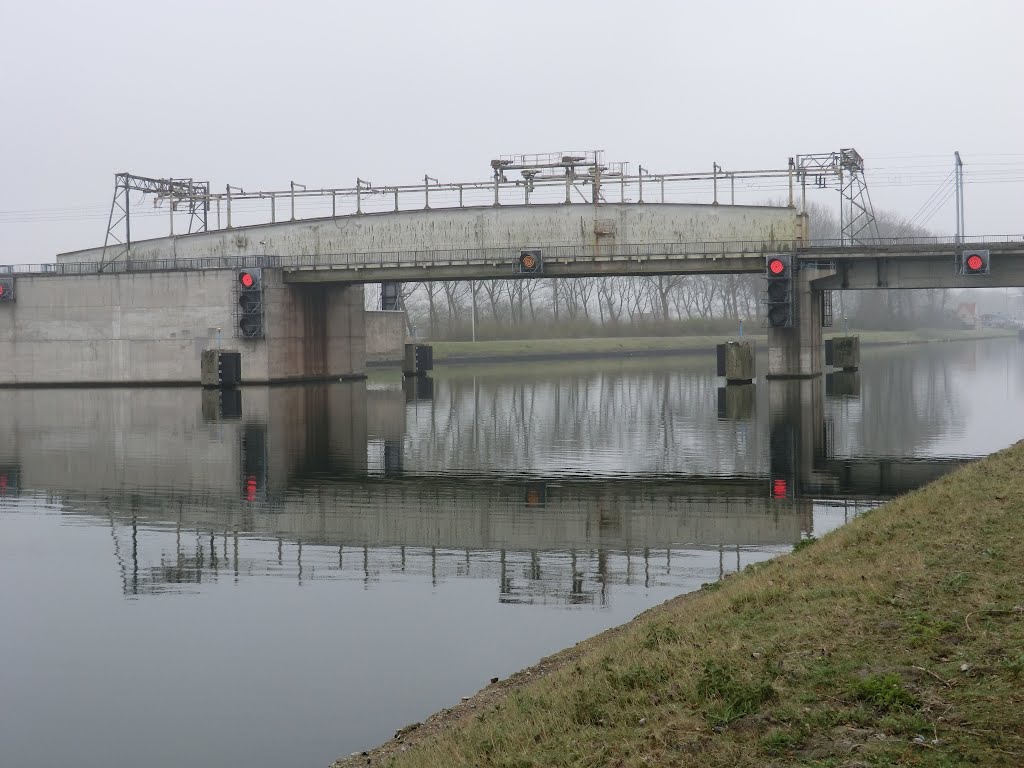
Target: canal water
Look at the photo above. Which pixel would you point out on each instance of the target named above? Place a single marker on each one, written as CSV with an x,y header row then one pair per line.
x,y
289,575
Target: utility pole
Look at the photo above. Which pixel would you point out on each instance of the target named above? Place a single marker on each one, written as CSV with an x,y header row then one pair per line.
x,y
958,169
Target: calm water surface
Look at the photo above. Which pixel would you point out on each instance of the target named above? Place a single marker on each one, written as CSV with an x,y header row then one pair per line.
x,y
285,578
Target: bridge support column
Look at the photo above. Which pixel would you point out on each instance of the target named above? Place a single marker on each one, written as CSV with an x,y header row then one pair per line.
x,y
796,352
313,332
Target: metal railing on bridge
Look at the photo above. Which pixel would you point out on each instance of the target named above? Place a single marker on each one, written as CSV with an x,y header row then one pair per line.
x,y
508,256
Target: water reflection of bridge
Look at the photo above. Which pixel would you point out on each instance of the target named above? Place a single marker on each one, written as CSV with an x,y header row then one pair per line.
x,y
329,482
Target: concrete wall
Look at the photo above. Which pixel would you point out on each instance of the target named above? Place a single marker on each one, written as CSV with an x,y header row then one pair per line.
x,y
151,327
312,331
385,336
457,228
124,328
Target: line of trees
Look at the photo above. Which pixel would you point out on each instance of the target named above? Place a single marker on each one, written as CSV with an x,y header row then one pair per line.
x,y
653,305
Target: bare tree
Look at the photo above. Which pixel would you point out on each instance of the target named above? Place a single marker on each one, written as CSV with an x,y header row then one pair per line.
x,y
609,302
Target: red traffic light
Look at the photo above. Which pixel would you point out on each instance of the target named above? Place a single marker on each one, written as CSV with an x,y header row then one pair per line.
x,y
3,288
975,262
779,489
776,266
247,279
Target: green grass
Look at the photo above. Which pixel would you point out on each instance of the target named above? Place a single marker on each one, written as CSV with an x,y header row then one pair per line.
x,y
445,351
895,640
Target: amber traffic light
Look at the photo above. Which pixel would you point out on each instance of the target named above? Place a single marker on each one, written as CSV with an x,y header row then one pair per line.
x,y
530,261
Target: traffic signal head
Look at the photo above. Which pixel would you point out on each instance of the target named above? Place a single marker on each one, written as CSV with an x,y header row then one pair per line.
x,y
530,261
249,279
6,289
779,273
974,262
250,304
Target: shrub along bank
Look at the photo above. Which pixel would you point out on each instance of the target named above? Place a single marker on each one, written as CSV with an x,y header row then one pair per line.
x,y
895,640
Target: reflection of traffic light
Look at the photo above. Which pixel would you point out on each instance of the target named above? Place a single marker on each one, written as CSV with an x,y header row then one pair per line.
x,y
254,462
536,494
974,262
250,304
779,273
782,459
530,261
9,480
6,289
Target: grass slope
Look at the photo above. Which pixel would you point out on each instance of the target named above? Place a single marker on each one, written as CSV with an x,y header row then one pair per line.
x,y
895,640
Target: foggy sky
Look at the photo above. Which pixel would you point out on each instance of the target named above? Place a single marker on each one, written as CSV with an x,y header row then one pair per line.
x,y
259,93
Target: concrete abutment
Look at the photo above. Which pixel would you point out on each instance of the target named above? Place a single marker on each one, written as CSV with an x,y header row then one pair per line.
x,y
150,328
798,352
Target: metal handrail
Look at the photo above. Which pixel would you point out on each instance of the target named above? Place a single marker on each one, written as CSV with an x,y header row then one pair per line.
x,y
552,253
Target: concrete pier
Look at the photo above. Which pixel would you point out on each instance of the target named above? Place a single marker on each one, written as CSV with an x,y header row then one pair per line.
x,y
736,361
843,352
796,352
385,336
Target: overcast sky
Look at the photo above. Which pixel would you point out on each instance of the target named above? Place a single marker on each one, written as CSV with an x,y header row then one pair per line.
x,y
259,93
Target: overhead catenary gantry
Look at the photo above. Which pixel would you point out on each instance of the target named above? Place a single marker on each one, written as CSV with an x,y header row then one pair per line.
x,y
857,223
193,196
566,177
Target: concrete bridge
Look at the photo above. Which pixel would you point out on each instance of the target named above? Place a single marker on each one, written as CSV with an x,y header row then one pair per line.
x,y
142,312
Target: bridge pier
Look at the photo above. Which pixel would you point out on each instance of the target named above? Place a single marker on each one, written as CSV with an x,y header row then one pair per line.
x,y
797,352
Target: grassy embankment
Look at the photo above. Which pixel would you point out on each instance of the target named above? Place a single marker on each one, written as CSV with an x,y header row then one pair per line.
x,y
895,640
467,351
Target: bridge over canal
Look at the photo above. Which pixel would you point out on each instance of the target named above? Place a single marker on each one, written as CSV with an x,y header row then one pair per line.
x,y
136,311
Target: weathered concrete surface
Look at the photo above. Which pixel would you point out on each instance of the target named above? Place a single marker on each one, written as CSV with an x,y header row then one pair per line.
x,y
843,352
385,336
314,331
736,361
924,271
151,328
797,352
134,327
474,228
